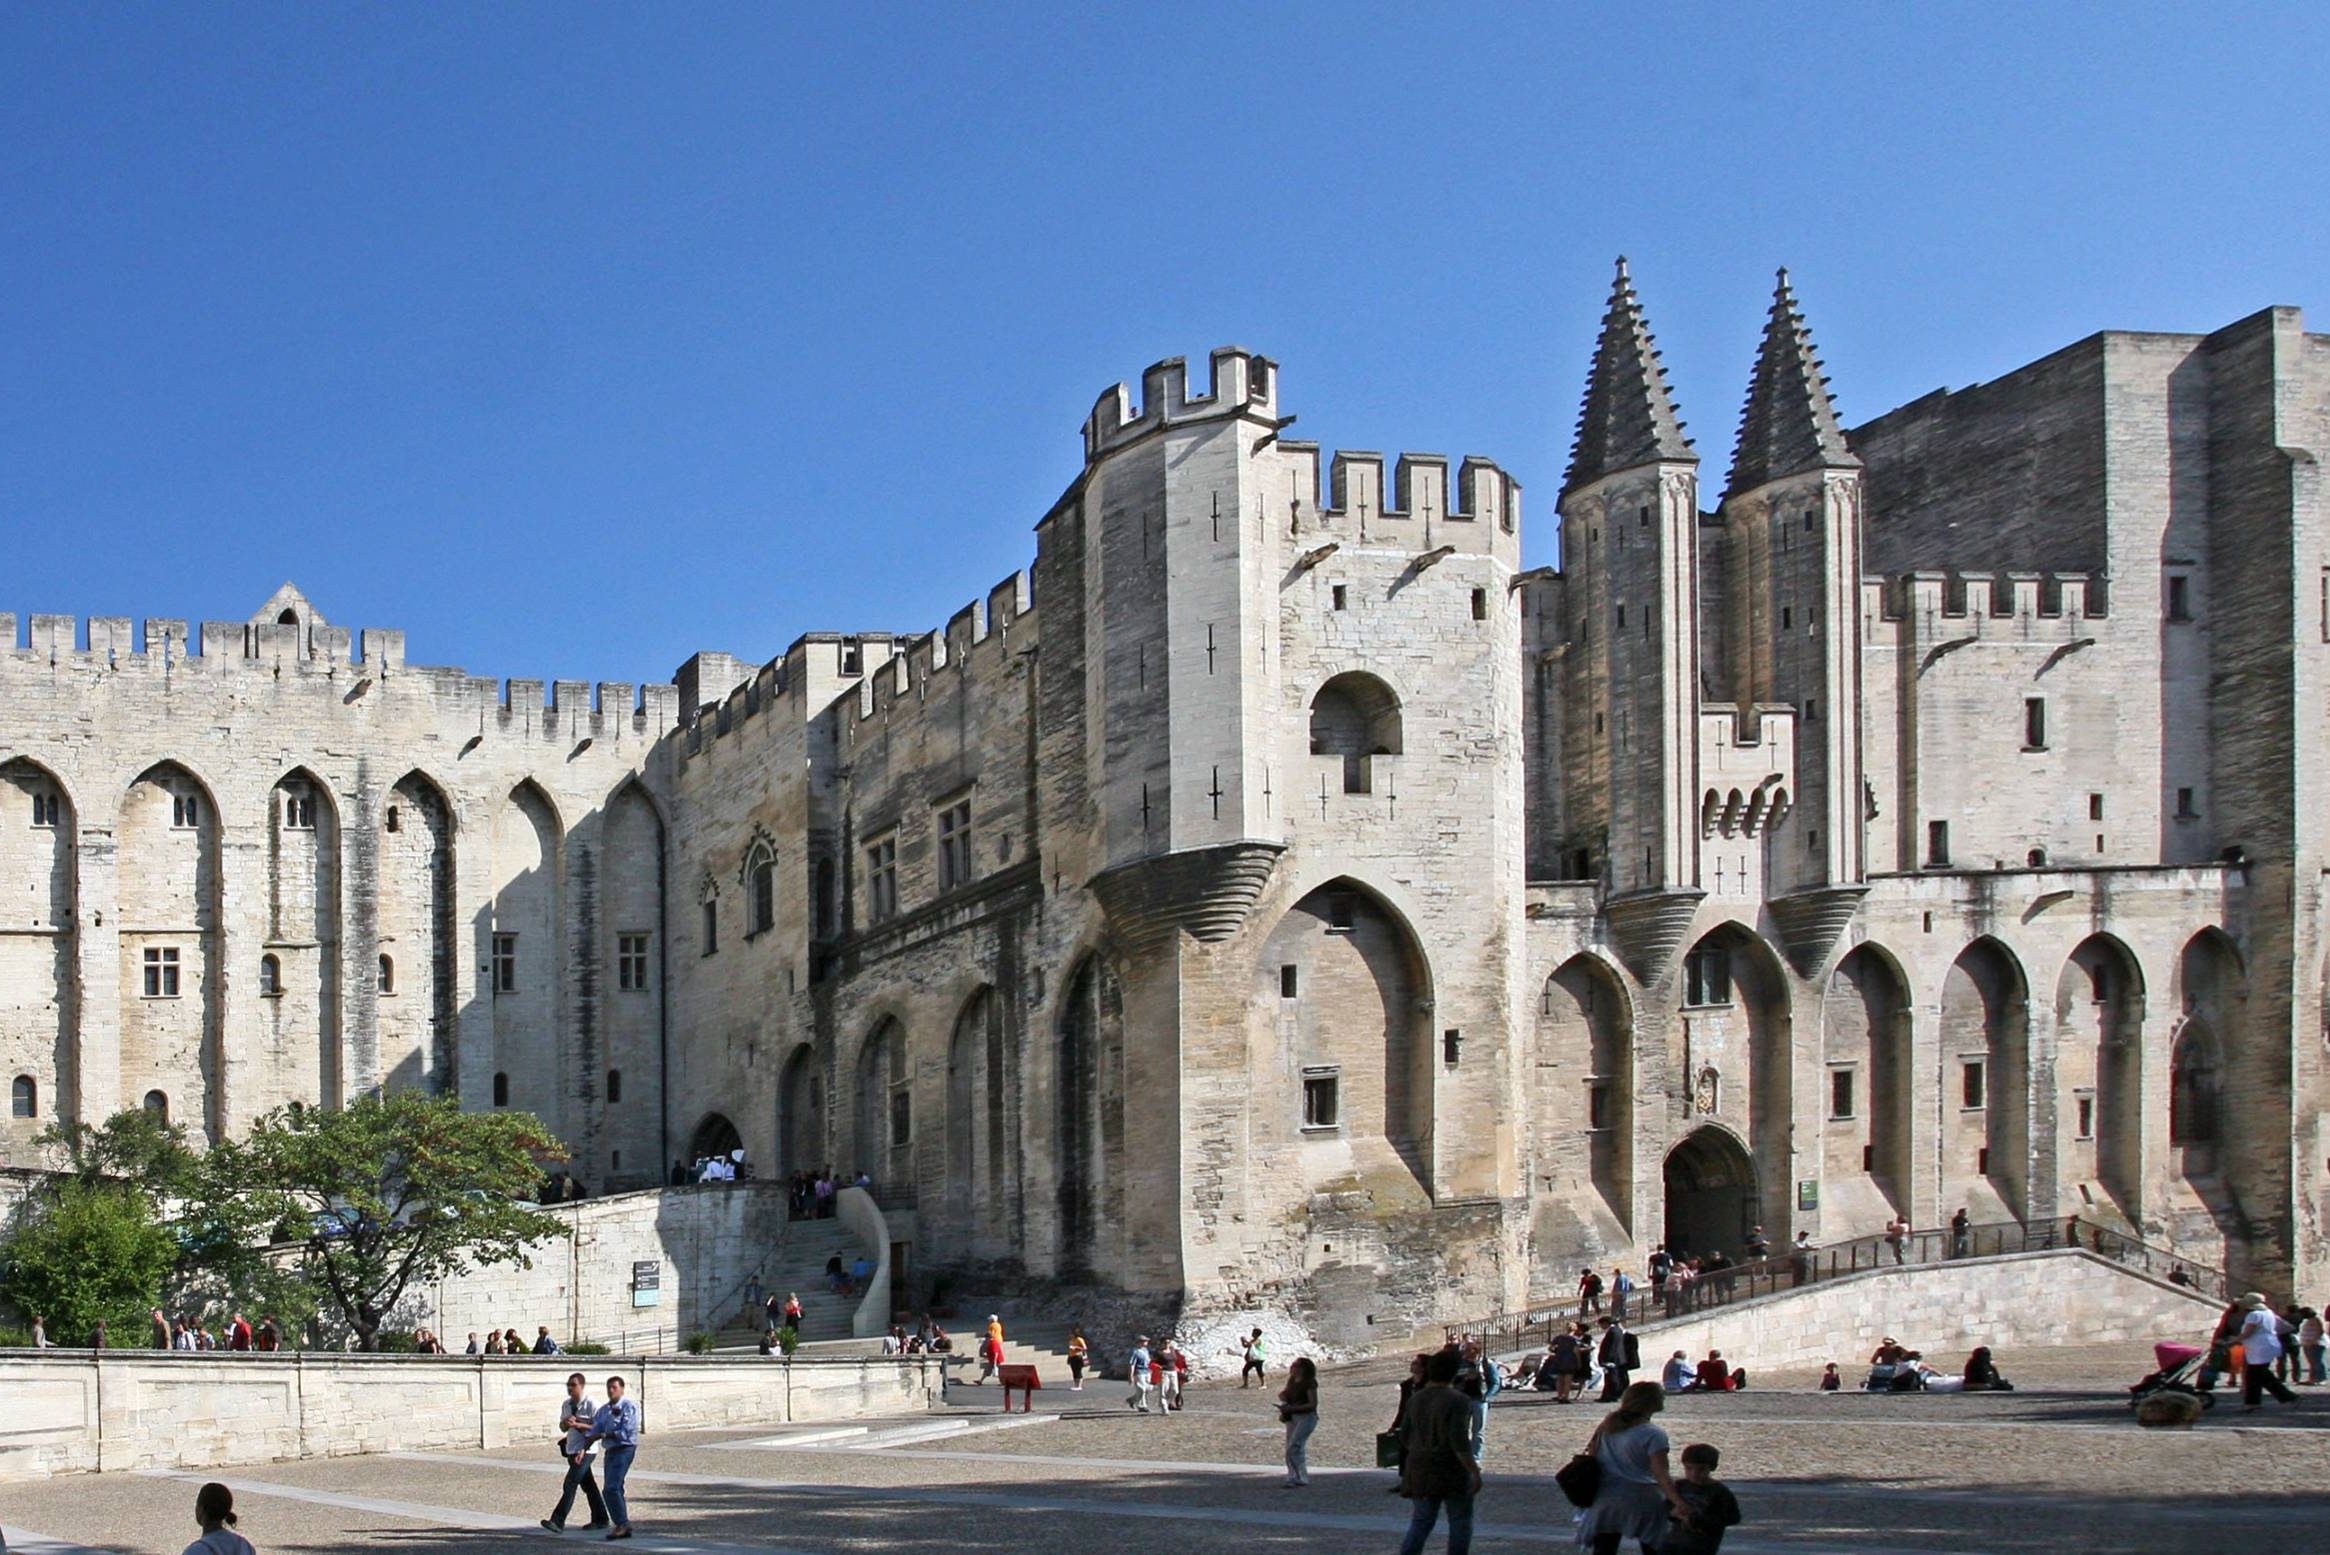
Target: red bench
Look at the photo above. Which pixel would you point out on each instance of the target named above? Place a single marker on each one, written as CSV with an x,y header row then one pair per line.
x,y
1024,1378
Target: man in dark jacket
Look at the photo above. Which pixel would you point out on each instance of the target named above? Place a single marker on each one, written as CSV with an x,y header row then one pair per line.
x,y
1618,1356
1436,1463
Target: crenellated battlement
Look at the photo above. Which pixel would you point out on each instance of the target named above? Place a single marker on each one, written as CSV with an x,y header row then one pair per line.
x,y
1422,507
1985,596
164,650
868,674
1241,382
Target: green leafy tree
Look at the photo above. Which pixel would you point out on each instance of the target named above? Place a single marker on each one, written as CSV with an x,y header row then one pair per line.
x,y
384,1194
133,1148
93,1253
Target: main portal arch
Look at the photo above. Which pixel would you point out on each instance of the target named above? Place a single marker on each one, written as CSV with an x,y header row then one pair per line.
x,y
1710,1194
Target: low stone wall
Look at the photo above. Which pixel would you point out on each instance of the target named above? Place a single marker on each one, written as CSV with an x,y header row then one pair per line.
x,y
2021,1301
134,1409
704,1239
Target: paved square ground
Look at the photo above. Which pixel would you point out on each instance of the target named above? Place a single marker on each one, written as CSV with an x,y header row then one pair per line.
x,y
2058,1465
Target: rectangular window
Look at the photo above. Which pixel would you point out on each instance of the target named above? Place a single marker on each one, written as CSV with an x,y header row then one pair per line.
x,y
1973,1077
1597,1104
161,968
2086,1117
1937,844
1787,618
631,962
710,930
1840,1093
1812,710
185,811
2095,807
1342,596
954,845
1707,977
1480,604
2184,805
2179,599
299,811
1342,912
901,1117
1289,981
390,821
44,808
2326,604
1322,1106
2034,723
505,963
882,880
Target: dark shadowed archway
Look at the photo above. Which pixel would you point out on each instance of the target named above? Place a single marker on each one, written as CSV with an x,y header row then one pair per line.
x,y
1710,1194
715,1136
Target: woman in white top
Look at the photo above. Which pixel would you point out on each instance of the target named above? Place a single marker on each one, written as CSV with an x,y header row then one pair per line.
x,y
214,1508
1637,1492
2260,1348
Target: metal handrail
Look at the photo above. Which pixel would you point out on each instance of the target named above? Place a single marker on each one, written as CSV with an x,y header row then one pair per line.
x,y
1507,1331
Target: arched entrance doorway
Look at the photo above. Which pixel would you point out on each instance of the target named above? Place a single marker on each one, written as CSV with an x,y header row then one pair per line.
x,y
715,1136
800,1114
1710,1194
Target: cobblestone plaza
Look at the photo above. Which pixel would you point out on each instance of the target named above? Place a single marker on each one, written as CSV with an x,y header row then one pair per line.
x,y
2058,1465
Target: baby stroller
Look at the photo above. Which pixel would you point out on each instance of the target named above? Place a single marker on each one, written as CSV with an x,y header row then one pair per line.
x,y
2178,1365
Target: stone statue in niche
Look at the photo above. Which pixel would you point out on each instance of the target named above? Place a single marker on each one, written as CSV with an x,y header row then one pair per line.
x,y
1708,1094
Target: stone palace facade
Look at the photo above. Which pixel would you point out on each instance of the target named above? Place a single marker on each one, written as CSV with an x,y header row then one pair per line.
x,y
1277,895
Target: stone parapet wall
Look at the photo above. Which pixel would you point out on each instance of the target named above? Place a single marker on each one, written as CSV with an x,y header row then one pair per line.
x,y
127,1409
2022,1301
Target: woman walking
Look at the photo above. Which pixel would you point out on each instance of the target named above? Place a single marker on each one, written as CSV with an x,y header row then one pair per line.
x,y
1637,1491
214,1509
1079,1353
1298,1408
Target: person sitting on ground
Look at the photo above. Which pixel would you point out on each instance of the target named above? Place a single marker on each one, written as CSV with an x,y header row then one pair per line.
x,y
769,1343
1830,1382
1677,1377
493,1343
1982,1373
940,1342
894,1342
474,1347
1889,1353
512,1344
543,1343
1714,1375
1713,1507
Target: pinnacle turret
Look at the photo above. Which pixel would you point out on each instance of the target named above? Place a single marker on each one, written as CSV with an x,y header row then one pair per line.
x,y
1628,418
1790,423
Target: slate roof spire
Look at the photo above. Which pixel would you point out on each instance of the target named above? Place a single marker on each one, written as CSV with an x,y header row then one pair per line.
x,y
1628,418
1790,424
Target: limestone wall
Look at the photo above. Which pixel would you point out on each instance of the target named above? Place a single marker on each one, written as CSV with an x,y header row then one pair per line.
x,y
131,1409
705,1240
1944,1310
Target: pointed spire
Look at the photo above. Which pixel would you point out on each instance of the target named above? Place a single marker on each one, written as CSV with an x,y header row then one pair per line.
x,y
1628,418
1790,424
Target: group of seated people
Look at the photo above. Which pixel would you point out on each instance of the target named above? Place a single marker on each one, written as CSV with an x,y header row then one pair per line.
x,y
927,1339
1895,1368
1712,1375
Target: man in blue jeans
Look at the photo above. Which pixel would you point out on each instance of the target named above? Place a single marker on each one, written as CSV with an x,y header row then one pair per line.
x,y
576,1412
617,1424
1436,1463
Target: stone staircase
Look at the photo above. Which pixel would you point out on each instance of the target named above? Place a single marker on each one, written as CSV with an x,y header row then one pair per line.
x,y
797,1264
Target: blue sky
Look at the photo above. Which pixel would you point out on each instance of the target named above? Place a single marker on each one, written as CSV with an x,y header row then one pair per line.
x,y
573,338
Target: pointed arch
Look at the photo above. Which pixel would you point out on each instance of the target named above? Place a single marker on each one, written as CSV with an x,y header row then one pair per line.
x,y
172,991
1865,1045
977,1151
1709,1188
40,984
414,1044
801,1143
1090,1088
303,921
1984,1034
882,1139
1736,1014
525,954
1355,717
628,941
2099,1069
1585,1093
1342,1075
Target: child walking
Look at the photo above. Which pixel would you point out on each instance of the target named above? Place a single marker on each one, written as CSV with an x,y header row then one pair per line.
x,y
1713,1506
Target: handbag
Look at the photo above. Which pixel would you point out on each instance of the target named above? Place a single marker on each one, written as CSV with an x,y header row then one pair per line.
x,y
1580,1479
1389,1452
